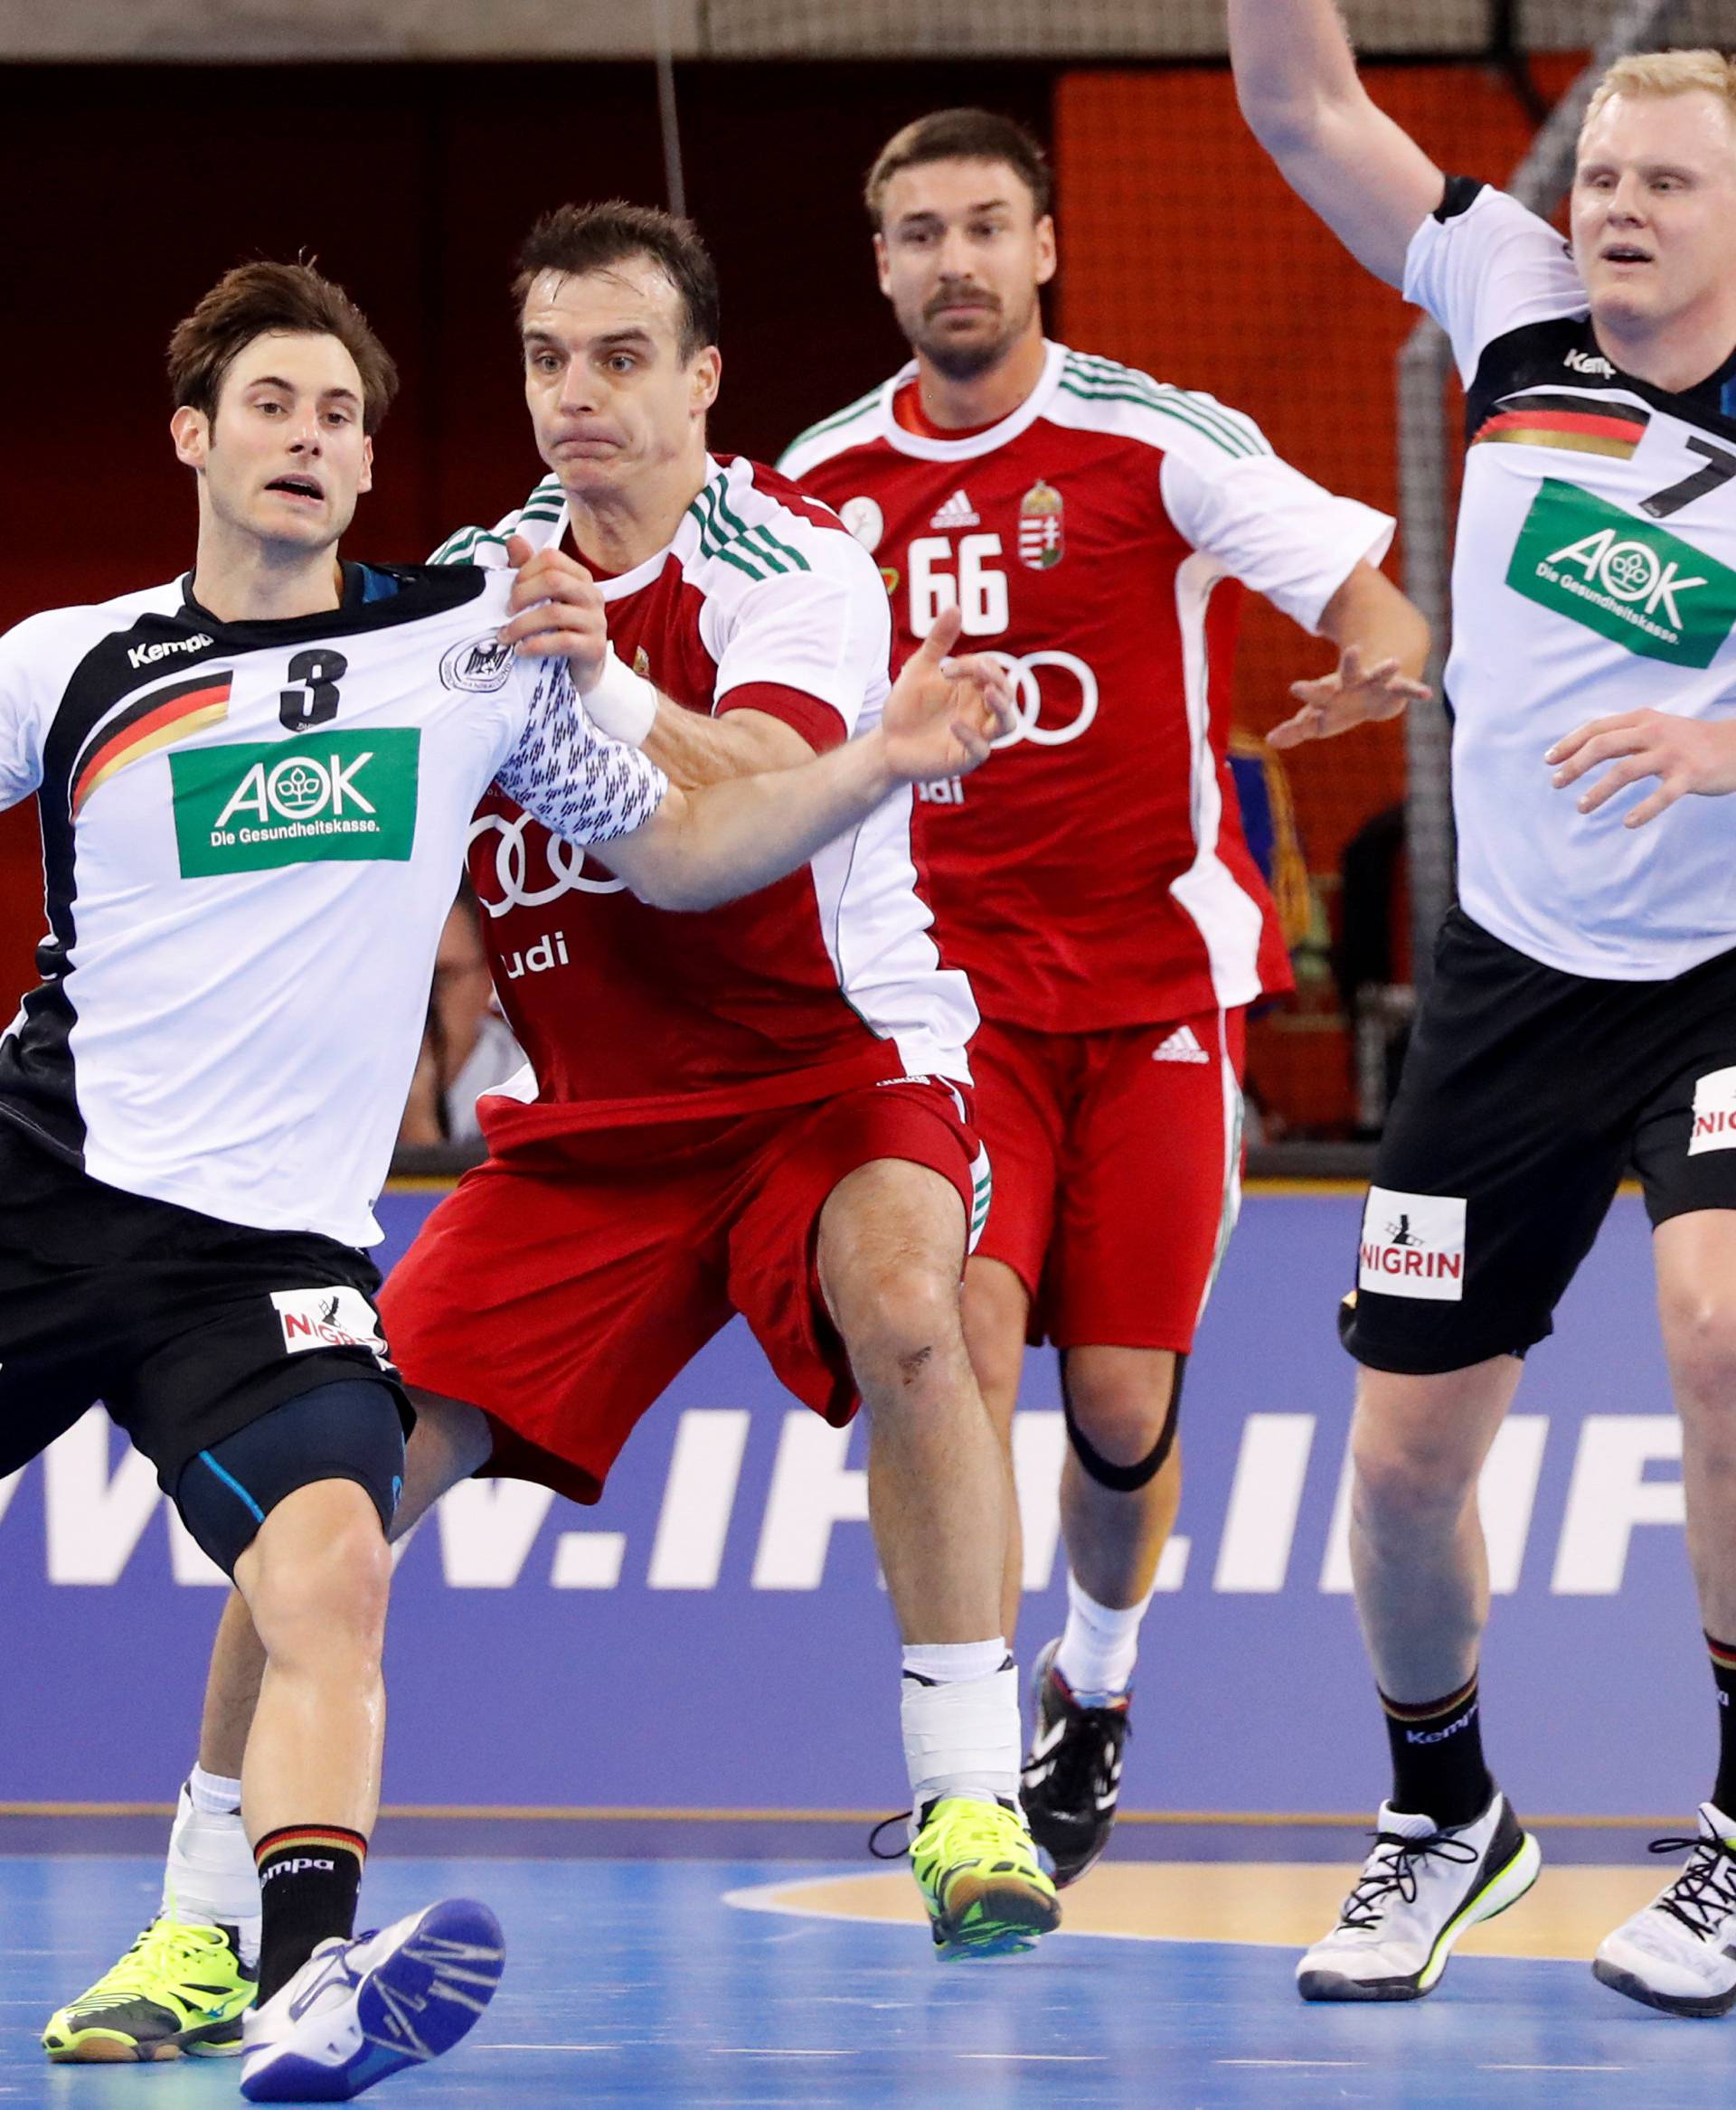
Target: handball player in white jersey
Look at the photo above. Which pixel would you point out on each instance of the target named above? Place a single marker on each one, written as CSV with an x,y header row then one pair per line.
x,y
763,1109
254,784
1581,1016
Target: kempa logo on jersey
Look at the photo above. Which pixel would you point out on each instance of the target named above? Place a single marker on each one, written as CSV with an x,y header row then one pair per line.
x,y
1414,1244
148,655
527,878
1715,1113
336,795
1589,363
1622,578
480,665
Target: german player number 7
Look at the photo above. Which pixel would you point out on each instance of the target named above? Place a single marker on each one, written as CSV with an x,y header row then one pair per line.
x,y
314,702
1720,467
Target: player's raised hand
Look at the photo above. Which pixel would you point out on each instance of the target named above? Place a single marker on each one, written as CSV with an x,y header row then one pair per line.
x,y
1350,695
1684,753
944,714
560,611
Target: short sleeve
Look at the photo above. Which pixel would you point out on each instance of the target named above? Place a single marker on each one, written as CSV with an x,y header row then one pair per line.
x,y
1279,532
1483,265
824,630
566,774
23,721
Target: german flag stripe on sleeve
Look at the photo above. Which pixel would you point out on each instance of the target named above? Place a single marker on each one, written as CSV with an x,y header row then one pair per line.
x,y
1574,422
156,721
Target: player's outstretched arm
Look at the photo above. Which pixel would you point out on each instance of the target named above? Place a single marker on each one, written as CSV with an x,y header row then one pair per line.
x,y
1297,85
1383,642
726,840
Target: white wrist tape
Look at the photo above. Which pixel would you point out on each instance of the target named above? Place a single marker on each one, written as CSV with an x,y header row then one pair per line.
x,y
622,704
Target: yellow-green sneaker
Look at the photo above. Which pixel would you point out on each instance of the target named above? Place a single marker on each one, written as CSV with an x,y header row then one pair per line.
x,y
978,1874
180,1988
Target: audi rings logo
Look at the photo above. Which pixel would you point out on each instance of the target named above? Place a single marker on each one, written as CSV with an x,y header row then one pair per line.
x,y
527,877
1028,695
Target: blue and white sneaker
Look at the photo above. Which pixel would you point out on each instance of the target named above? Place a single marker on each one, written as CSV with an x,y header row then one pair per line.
x,y
359,2010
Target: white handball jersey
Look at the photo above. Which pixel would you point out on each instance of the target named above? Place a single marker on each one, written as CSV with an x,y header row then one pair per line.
x,y
251,832
1594,573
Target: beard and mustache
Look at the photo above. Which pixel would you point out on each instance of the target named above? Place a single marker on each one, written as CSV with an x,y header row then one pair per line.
x,y
965,361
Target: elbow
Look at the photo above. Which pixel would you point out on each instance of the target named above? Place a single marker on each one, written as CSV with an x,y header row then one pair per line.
x,y
1284,123
674,886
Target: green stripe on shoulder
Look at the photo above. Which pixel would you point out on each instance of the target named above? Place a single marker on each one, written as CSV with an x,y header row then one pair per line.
x,y
831,424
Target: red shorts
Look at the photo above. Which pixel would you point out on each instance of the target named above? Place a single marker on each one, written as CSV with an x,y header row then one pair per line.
x,y
1118,1172
560,1288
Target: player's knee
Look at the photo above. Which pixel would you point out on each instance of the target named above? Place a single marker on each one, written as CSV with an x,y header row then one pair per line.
x,y
328,1593
1123,1419
1401,1485
901,1321
1700,1332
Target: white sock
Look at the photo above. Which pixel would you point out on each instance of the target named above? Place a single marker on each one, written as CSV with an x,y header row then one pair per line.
x,y
1099,1645
211,1879
960,1715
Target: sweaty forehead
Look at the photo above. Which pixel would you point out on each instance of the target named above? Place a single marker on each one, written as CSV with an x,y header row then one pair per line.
x,y
634,294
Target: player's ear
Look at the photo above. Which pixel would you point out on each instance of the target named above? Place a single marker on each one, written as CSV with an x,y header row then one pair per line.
x,y
189,429
1045,248
882,265
364,482
704,377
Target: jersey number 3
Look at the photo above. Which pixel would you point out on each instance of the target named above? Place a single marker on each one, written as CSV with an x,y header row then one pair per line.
x,y
315,701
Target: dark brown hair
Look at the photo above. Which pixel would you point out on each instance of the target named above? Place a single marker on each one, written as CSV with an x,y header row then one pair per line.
x,y
962,135
575,238
257,300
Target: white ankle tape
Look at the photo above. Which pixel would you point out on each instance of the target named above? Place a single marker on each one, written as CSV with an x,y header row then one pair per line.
x,y
962,1737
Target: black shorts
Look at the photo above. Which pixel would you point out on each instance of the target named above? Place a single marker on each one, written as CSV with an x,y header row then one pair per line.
x,y
186,1329
1525,1097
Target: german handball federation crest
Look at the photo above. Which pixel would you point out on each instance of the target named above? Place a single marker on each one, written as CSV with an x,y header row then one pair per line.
x,y
1042,544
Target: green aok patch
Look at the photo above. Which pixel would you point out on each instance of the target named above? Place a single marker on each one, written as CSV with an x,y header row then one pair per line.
x,y
1624,577
325,798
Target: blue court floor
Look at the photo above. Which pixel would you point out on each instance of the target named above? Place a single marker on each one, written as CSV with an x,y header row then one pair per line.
x,y
633,1983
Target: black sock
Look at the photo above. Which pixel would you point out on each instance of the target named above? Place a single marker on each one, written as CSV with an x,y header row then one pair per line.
x,y
309,1877
1724,1671
1438,1769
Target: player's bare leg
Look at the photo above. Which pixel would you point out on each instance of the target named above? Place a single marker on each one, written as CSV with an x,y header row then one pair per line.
x,y
1676,1954
210,1879
1448,1850
892,1248
995,1307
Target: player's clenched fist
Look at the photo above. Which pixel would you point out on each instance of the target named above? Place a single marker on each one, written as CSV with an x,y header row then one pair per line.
x,y
944,714
559,611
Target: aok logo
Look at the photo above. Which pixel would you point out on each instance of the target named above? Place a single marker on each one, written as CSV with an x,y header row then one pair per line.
x,y
338,796
1622,578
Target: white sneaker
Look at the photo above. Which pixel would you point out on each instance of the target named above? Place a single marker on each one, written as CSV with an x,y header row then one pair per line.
x,y
1418,1891
1679,1953
358,2011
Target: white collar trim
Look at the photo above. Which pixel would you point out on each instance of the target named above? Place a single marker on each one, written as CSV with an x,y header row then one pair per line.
x,y
976,443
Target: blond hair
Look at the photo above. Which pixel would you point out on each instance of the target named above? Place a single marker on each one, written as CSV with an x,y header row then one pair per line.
x,y
1667,73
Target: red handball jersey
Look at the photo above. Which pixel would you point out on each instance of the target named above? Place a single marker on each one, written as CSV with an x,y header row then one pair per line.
x,y
1094,874
826,980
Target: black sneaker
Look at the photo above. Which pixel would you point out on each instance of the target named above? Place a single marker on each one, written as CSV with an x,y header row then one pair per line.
x,y
1072,1773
